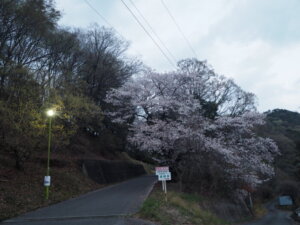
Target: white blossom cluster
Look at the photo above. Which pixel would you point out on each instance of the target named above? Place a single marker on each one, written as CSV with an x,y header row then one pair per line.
x,y
170,121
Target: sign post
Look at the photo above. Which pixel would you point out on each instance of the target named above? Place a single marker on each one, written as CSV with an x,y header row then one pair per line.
x,y
163,175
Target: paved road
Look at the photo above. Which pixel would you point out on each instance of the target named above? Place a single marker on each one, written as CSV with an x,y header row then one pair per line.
x,y
107,206
274,217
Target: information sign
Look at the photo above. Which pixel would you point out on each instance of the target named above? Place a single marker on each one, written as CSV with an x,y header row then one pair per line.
x,y
47,181
162,169
164,176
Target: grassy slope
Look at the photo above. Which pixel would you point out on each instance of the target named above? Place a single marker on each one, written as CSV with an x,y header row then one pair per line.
x,y
177,209
188,209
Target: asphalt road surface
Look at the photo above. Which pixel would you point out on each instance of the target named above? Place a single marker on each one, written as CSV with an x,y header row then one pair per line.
x,y
107,206
274,217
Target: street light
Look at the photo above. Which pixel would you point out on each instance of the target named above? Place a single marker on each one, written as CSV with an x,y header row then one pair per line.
x,y
50,112
47,180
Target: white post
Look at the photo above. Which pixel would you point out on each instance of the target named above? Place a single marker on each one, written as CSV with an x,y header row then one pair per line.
x,y
163,186
166,186
250,200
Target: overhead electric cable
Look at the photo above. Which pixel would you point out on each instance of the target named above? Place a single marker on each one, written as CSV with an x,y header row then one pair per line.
x,y
103,18
145,30
153,31
179,29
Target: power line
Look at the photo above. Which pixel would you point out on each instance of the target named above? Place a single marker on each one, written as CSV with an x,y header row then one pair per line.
x,y
107,22
142,26
103,18
153,31
179,29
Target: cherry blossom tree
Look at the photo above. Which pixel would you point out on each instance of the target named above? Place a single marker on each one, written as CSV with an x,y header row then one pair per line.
x,y
227,97
172,123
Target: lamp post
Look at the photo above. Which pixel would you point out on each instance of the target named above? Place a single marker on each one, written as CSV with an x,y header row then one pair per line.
x,y
47,179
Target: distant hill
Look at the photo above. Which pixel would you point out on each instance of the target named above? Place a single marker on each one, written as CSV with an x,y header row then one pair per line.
x,y
283,127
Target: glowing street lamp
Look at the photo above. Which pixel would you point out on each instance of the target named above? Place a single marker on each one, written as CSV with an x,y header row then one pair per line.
x,y
47,180
50,113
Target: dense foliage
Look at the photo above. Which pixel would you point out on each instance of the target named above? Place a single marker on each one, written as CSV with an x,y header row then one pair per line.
x,y
283,127
45,66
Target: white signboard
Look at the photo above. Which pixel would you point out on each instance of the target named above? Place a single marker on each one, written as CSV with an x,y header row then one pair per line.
x,y
164,176
47,181
162,169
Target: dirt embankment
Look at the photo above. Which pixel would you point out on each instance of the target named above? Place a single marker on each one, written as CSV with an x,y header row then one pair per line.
x,y
23,191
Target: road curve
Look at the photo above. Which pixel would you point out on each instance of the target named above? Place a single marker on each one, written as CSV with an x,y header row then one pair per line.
x,y
107,206
274,217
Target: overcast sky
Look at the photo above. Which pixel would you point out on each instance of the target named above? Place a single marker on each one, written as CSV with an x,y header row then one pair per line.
x,y
255,42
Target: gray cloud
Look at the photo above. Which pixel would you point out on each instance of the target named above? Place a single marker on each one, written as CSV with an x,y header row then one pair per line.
x,y
255,42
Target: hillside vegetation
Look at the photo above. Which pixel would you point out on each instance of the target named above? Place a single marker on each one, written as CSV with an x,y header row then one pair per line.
x,y
283,127
44,66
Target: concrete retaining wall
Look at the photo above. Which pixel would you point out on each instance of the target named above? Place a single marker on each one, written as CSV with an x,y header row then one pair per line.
x,y
106,171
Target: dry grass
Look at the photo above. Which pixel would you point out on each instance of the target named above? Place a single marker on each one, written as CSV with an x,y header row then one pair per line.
x,y
179,209
21,192
259,210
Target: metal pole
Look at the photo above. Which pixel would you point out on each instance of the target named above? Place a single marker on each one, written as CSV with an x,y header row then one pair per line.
x,y
48,160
